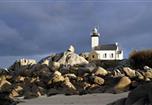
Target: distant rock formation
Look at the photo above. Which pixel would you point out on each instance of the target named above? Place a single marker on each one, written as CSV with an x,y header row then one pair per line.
x,y
21,63
22,66
68,57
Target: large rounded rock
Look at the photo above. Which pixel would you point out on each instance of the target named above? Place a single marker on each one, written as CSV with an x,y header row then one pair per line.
x,y
6,99
40,69
5,86
101,71
94,88
19,79
46,62
117,73
57,77
29,94
148,75
71,76
142,95
129,72
123,84
14,93
84,85
54,91
139,75
69,58
98,80
147,68
17,91
31,91
55,66
68,86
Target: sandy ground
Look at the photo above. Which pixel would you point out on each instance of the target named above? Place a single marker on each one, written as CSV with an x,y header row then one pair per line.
x,y
89,99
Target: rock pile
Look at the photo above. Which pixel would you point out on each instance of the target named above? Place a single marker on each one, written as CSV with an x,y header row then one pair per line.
x,y
68,74
40,79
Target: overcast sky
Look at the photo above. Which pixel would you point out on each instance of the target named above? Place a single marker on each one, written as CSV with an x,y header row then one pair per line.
x,y
36,28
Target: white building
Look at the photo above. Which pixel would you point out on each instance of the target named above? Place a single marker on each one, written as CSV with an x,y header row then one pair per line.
x,y
103,51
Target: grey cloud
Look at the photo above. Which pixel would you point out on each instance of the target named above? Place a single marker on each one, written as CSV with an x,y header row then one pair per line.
x,y
30,28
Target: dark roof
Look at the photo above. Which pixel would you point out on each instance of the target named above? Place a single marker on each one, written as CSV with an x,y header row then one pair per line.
x,y
95,35
106,47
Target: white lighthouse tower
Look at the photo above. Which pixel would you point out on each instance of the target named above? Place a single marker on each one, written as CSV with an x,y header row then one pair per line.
x,y
94,38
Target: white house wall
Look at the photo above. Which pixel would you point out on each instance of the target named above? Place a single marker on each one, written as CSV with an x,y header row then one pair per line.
x,y
101,55
120,56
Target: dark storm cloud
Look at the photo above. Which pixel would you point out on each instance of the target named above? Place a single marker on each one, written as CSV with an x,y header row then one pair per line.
x,y
31,28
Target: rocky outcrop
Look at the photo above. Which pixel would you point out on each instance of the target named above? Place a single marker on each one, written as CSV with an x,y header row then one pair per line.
x,y
72,79
22,66
22,62
71,58
68,57
68,73
64,78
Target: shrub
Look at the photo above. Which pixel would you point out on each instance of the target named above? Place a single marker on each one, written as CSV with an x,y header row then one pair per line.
x,y
141,58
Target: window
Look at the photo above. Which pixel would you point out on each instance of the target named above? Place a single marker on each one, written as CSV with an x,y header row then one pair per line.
x,y
118,55
111,55
105,55
92,56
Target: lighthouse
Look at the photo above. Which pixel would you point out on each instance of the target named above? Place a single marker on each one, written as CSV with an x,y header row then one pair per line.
x,y
104,51
94,38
